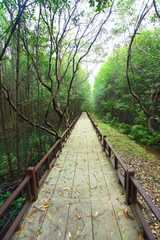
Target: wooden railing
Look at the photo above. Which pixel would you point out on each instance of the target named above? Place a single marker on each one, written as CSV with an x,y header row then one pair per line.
x,y
28,188
129,182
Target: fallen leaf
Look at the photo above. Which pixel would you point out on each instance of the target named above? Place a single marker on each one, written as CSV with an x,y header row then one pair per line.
x,y
125,213
69,235
50,217
151,226
45,212
69,195
31,216
89,215
51,177
17,233
35,210
66,227
117,215
96,214
38,233
53,184
82,180
140,236
130,216
48,200
23,227
78,215
75,201
58,227
45,206
76,237
116,181
79,228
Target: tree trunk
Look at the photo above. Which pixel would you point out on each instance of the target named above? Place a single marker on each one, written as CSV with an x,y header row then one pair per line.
x,y
4,128
28,114
17,101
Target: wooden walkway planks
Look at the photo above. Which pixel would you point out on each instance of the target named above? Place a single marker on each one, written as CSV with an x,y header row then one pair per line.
x,y
81,196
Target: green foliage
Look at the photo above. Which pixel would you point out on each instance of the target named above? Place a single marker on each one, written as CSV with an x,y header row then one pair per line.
x,y
15,207
111,93
4,162
100,4
127,128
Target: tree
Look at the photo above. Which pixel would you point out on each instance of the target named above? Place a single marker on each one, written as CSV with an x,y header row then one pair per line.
x,y
69,41
111,92
150,113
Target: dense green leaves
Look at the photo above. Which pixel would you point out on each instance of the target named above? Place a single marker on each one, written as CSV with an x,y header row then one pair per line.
x,y
111,93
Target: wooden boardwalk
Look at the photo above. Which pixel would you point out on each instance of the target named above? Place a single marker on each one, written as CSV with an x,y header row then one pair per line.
x,y
81,197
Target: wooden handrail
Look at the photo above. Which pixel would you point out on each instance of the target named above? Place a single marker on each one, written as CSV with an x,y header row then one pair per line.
x,y
47,155
31,181
130,184
145,196
8,202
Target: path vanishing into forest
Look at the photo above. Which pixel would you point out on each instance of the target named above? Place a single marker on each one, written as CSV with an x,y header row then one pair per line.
x,y
81,197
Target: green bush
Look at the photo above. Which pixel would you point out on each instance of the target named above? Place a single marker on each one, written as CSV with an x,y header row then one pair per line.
x,y
127,128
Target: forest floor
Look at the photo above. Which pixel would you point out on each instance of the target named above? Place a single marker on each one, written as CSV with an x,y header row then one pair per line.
x,y
145,164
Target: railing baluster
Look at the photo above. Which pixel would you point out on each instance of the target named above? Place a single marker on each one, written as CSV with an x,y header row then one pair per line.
x,y
31,171
104,142
109,151
60,144
115,163
47,163
28,192
133,193
130,172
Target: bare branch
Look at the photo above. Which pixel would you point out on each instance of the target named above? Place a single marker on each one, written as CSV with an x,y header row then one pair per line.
x,y
7,97
144,13
155,7
20,12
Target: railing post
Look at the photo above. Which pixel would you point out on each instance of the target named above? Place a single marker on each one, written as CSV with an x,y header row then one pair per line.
x,y
101,137
60,144
104,142
130,172
54,152
96,129
47,163
28,192
125,180
115,163
109,151
34,189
